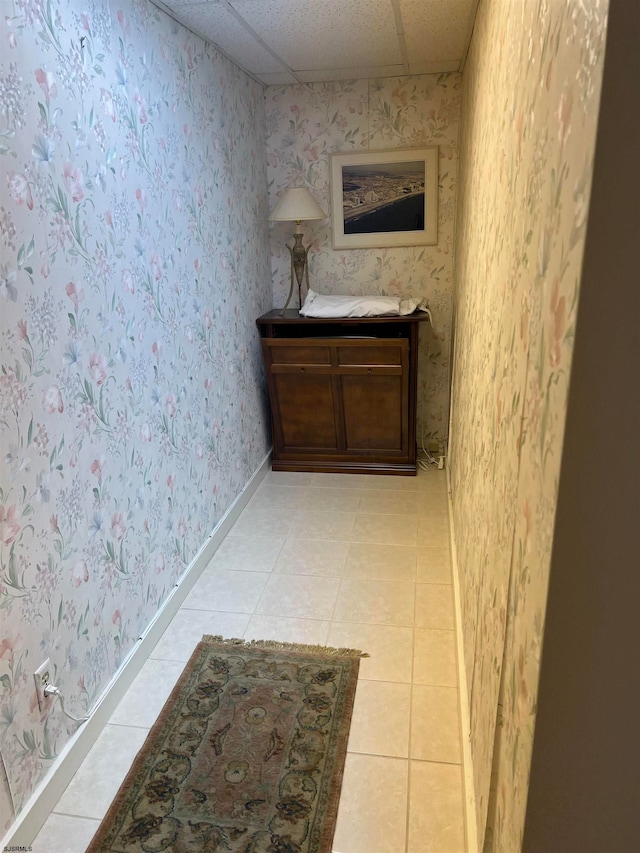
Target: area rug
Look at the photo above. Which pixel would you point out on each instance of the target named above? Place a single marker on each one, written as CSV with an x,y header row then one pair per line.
x,y
247,755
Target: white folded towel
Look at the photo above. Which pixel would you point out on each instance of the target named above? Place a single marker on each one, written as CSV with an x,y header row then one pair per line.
x,y
319,305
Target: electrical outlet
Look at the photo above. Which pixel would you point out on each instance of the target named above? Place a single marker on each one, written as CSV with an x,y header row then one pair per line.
x,y
42,677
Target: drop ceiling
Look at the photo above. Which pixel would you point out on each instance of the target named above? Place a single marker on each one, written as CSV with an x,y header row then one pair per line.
x,y
308,41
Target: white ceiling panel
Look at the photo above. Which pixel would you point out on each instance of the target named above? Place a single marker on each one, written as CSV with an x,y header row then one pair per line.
x,y
357,73
434,30
307,41
322,35
215,23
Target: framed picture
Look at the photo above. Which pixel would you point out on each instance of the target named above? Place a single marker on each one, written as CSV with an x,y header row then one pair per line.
x,y
384,198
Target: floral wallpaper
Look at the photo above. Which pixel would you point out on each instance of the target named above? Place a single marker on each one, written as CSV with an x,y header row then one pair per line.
x,y
529,111
305,124
132,412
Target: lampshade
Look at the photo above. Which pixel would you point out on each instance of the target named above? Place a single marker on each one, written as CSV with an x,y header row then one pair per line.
x,y
295,205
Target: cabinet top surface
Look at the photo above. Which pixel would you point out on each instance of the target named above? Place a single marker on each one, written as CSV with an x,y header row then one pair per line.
x,y
292,315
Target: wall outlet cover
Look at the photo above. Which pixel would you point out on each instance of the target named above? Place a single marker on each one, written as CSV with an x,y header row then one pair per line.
x,y
42,677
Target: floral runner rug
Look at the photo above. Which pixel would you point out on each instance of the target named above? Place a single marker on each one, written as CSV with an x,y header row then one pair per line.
x,y
247,754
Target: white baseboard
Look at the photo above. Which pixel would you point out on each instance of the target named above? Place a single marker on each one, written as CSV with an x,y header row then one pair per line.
x,y
471,826
42,802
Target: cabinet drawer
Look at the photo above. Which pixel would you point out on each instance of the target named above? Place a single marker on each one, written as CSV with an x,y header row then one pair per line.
x,y
374,353
335,352
284,352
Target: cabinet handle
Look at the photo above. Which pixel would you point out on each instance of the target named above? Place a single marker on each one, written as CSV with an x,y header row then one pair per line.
x,y
369,370
302,370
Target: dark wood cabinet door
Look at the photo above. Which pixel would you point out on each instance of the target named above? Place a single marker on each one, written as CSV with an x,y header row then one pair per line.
x,y
374,419
305,407
374,383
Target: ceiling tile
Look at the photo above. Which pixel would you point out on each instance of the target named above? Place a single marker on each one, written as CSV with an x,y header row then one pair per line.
x,y
328,34
357,73
284,41
436,30
216,24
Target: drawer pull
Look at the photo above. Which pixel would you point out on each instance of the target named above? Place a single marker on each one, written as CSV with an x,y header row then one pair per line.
x,y
369,370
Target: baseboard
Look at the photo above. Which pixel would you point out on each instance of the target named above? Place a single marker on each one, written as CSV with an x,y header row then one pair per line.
x,y
42,802
471,826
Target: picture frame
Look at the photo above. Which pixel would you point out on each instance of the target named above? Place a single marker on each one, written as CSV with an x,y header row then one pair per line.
x,y
384,198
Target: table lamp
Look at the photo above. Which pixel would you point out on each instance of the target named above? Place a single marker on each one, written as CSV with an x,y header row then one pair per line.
x,y
295,205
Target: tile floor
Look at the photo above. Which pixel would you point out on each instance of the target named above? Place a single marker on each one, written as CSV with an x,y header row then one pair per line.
x,y
343,560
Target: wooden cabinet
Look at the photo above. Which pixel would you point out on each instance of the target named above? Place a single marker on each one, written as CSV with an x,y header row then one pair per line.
x,y
342,392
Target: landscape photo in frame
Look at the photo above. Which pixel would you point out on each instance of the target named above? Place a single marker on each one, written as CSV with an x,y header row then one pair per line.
x,y
384,198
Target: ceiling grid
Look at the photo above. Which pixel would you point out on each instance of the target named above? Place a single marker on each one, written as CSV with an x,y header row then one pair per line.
x,y
289,41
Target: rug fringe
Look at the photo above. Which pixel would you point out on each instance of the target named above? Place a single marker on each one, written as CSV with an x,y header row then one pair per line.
x,y
290,647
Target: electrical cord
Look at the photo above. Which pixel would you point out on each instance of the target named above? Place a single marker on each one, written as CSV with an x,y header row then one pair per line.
x,y
439,463
52,690
425,465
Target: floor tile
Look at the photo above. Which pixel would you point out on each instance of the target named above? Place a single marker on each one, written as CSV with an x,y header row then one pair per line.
x,y
378,602
381,562
269,496
434,606
322,524
436,811
326,559
188,627
287,478
143,701
263,522
373,806
305,597
365,481
287,629
434,510
239,553
338,481
435,657
385,529
312,557
90,792
380,724
432,479
235,592
389,501
64,834
434,502
394,483
435,724
336,500
433,530
434,565
390,648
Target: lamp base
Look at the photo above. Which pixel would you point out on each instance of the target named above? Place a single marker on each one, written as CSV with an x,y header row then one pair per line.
x,y
286,304
299,268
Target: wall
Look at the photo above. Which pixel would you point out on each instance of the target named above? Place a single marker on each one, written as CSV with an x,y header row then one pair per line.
x,y
530,101
305,124
585,785
134,264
